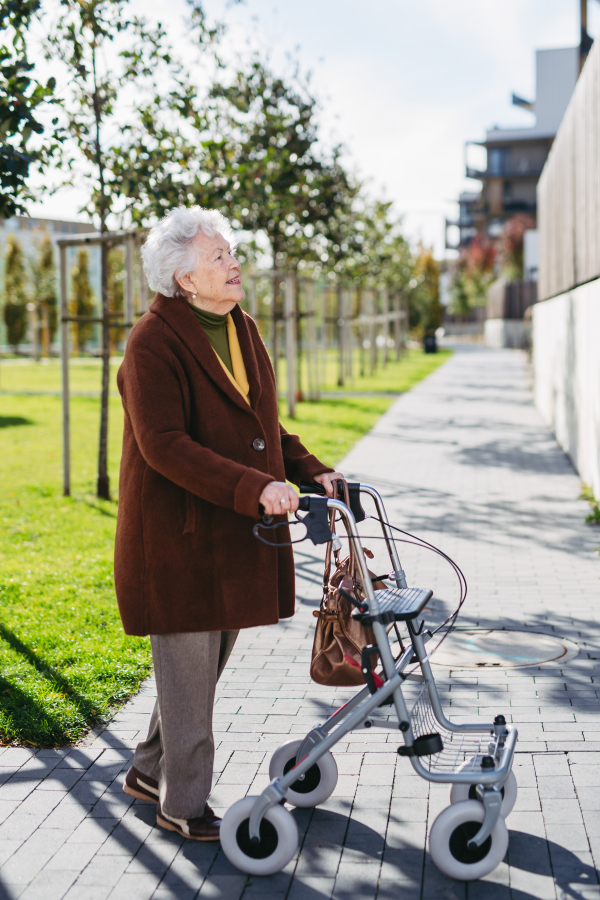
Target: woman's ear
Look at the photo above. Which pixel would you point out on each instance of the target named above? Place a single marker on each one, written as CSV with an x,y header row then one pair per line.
x,y
185,283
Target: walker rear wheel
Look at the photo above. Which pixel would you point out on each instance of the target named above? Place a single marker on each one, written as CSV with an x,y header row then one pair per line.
x,y
449,842
460,792
278,838
318,783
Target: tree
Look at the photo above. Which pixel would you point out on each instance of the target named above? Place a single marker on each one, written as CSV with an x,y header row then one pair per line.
x,y
427,292
474,272
263,163
21,100
15,292
511,245
375,252
116,293
43,278
82,303
87,37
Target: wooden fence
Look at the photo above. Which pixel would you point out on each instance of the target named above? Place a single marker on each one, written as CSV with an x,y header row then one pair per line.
x,y
569,191
304,321
510,299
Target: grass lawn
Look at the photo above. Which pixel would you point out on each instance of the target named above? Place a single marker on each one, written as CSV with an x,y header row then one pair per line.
x,y
64,660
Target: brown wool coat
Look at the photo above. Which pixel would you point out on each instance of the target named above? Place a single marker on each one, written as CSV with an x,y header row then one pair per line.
x,y
191,478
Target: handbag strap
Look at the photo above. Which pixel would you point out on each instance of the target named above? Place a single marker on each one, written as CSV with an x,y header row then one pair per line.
x,y
328,551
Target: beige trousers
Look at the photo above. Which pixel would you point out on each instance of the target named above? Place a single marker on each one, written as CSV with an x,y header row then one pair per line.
x,y
179,750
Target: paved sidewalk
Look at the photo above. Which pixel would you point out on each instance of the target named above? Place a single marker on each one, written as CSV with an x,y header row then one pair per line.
x,y
464,461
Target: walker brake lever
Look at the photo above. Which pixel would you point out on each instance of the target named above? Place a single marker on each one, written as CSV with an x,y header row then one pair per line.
x,y
316,520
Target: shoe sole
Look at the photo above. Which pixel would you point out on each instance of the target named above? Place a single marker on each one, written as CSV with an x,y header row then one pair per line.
x,y
190,837
138,795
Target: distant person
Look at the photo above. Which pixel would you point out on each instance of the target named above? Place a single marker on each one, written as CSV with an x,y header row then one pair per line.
x,y
204,456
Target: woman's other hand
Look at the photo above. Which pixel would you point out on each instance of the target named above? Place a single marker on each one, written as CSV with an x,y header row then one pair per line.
x,y
327,479
278,498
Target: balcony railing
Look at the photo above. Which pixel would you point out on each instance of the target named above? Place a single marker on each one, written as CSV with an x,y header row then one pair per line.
x,y
484,175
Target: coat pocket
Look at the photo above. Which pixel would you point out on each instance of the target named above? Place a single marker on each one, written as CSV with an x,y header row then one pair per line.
x,y
190,513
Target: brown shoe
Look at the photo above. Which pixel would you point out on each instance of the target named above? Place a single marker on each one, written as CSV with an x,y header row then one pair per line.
x,y
203,828
140,786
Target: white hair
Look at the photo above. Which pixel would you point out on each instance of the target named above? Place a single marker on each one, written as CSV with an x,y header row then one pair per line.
x,y
170,250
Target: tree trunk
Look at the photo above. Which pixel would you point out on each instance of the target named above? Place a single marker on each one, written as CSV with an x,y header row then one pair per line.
x,y
45,329
275,283
103,487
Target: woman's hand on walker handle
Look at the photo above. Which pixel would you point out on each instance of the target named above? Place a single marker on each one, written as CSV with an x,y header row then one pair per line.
x,y
326,481
278,498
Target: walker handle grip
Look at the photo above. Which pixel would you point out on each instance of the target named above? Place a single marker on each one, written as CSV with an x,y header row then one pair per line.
x,y
353,489
312,489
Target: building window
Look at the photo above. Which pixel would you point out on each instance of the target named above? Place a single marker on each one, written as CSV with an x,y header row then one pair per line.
x,y
497,161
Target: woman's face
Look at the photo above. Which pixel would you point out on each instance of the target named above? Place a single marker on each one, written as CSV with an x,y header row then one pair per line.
x,y
216,279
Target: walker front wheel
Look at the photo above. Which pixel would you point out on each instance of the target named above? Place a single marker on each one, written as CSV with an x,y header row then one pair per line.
x,y
317,784
449,842
278,838
460,792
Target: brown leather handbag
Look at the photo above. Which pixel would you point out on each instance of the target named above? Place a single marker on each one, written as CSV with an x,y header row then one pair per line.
x,y
337,634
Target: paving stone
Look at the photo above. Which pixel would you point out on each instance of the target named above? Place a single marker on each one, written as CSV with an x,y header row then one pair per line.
x,y
72,857
7,848
154,857
66,816
103,870
20,826
79,759
17,789
16,756
222,887
81,891
61,780
49,885
135,886
164,892
184,875
39,766
556,787
94,830
311,888
564,812
31,857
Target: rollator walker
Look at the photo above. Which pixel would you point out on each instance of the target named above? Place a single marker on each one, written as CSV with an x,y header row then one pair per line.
x,y
469,838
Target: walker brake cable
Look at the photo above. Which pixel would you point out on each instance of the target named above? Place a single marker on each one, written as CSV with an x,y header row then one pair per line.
x,y
421,542
425,545
315,522
276,525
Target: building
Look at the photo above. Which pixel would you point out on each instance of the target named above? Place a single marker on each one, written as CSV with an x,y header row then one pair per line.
x,y
516,156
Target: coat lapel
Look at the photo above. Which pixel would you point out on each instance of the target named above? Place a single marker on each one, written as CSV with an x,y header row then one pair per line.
x,y
248,354
178,316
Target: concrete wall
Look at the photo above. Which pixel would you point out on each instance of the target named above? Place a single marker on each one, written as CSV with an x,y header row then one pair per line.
x,y
566,359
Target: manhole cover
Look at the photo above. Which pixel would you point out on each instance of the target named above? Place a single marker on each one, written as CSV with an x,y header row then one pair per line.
x,y
480,648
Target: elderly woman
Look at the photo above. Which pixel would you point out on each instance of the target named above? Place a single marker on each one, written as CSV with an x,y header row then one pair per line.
x,y
204,456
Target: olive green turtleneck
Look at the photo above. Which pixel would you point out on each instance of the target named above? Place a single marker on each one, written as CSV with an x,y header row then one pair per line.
x,y
215,329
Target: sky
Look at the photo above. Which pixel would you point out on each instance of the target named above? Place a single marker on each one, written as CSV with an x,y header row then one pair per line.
x,y
402,83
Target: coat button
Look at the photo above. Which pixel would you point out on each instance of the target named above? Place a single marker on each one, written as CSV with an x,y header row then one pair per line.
x,y
258,444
